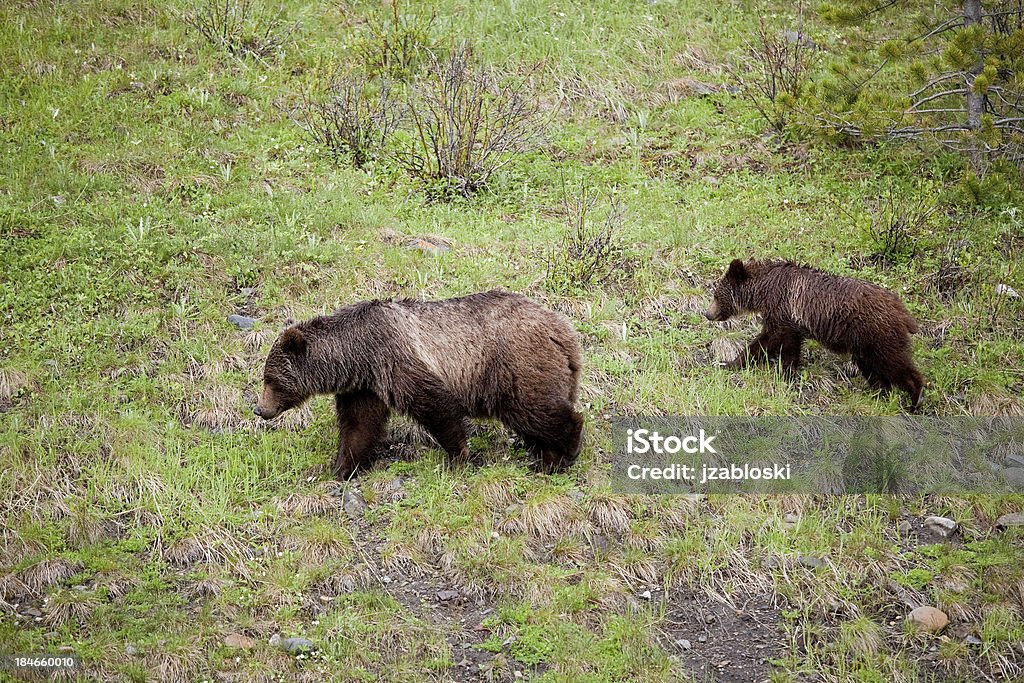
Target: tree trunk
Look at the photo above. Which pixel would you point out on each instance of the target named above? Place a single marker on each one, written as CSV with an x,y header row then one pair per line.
x,y
975,100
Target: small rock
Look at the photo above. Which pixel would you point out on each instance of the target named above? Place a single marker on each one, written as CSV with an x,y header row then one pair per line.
x,y
242,322
1006,290
353,503
940,525
1014,476
790,518
428,245
1011,519
683,643
702,638
131,650
447,596
711,180
810,561
1015,460
239,641
295,645
646,595
495,534
709,618
32,612
385,579
928,618
904,527
247,291
972,640
58,200
396,484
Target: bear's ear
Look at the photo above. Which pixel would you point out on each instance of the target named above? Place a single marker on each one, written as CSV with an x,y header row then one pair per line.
x,y
737,271
293,341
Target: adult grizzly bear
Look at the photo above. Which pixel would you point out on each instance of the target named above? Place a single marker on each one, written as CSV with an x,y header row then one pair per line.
x,y
844,314
492,354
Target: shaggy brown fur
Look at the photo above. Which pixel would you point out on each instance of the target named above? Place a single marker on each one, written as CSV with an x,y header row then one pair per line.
x,y
844,314
493,354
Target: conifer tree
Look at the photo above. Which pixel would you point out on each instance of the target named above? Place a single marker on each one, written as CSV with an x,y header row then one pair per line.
x,y
959,74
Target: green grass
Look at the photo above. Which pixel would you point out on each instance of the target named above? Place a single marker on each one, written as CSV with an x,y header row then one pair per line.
x,y
148,178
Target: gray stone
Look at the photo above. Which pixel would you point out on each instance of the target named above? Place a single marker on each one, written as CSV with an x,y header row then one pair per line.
x,y
131,650
294,645
972,640
684,644
1006,290
904,527
1011,519
447,596
940,525
242,322
811,561
1014,476
32,612
353,503
646,595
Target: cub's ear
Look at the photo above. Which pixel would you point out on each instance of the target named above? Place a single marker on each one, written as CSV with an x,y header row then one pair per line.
x,y
293,341
737,271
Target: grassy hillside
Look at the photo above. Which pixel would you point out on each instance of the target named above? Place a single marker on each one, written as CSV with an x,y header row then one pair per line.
x,y
152,184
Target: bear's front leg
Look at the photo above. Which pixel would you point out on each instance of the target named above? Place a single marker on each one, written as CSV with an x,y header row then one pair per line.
x,y
361,421
776,342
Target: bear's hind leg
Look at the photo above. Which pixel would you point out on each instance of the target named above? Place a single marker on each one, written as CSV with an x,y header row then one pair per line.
x,y
361,420
892,373
441,413
554,433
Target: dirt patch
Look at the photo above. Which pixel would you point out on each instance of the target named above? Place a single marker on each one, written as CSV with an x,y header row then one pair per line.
x,y
718,642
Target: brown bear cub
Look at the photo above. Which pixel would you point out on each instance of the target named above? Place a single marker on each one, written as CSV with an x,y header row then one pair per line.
x,y
494,354
844,314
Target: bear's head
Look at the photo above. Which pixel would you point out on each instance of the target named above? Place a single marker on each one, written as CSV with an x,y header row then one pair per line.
x,y
283,385
731,295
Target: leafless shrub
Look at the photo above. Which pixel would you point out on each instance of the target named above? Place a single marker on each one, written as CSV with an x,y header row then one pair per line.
x,y
350,121
952,273
242,27
896,226
467,122
774,72
591,252
398,44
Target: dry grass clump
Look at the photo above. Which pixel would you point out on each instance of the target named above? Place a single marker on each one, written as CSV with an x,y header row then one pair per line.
x,y
37,577
69,607
211,546
11,382
309,504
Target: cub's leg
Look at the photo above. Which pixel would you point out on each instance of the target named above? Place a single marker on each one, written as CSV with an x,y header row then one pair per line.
x,y
442,414
895,370
776,342
361,420
552,430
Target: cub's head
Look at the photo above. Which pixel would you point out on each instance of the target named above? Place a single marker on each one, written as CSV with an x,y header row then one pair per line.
x,y
283,379
731,294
